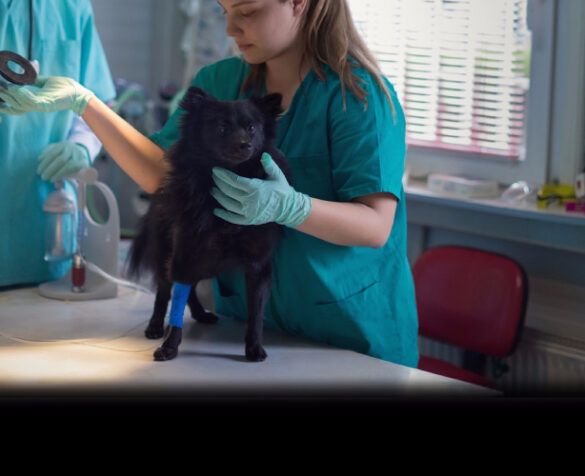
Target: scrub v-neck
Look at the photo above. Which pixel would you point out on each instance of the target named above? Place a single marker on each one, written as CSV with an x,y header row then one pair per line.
x,y
285,119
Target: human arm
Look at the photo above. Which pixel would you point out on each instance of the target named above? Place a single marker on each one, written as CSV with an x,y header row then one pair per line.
x,y
365,221
363,170
81,134
137,155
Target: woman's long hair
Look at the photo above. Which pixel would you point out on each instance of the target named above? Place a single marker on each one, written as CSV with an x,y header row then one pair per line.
x,y
330,37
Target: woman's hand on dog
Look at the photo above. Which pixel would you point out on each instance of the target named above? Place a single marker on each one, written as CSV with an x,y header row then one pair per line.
x,y
255,201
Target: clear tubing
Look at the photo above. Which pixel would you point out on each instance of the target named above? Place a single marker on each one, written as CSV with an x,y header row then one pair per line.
x,y
86,342
99,344
122,282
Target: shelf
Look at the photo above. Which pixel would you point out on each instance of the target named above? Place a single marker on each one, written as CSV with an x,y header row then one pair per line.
x,y
551,227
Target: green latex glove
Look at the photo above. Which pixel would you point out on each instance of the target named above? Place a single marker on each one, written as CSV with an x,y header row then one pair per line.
x,y
255,201
61,159
56,93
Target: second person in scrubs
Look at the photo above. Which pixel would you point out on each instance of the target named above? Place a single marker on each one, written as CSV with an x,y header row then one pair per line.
x,y
341,275
37,150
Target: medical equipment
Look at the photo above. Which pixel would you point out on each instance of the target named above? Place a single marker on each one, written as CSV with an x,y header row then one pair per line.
x,y
60,208
462,187
134,104
95,257
520,192
31,33
29,68
28,75
555,194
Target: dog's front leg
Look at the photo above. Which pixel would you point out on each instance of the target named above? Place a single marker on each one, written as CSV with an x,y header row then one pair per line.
x,y
258,283
170,347
155,329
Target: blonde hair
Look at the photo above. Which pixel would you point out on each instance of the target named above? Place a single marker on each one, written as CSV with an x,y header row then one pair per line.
x,y
330,37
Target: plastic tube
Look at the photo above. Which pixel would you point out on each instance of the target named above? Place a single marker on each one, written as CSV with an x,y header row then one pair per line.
x,y
85,342
122,282
99,344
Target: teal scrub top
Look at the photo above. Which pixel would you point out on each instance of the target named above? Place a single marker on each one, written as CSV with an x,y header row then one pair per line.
x,y
351,297
66,43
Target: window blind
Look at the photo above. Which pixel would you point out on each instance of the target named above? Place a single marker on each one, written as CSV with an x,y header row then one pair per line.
x,y
460,68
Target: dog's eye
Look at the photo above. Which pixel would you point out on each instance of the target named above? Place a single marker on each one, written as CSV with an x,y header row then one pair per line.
x,y
222,129
251,128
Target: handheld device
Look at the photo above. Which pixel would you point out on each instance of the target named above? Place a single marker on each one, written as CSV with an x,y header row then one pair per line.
x,y
27,73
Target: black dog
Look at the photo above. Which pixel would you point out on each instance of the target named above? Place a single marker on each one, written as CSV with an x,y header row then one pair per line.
x,y
181,240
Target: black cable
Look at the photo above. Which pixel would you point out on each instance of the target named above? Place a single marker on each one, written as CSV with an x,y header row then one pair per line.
x,y
32,30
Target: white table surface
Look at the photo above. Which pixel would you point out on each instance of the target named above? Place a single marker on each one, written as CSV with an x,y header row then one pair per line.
x,y
98,347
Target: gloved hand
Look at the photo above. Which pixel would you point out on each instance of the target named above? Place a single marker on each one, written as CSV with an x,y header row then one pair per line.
x,y
256,201
61,159
56,93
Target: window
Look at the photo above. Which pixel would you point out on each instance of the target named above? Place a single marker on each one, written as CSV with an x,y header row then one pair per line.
x,y
466,73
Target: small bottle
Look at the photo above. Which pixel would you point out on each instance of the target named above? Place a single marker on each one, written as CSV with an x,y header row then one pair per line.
x,y
78,273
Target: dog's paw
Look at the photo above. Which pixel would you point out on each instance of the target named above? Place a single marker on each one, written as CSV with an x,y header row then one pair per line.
x,y
170,347
255,353
165,353
206,318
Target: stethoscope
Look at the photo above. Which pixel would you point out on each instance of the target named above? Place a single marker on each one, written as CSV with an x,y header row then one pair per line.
x,y
29,73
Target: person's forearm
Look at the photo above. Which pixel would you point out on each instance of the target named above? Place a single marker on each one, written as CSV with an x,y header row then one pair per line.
x,y
365,223
137,155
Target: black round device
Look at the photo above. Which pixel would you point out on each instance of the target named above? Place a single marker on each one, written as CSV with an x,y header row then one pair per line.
x,y
29,74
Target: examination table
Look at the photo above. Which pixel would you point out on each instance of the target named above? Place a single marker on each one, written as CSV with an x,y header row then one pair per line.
x,y
99,347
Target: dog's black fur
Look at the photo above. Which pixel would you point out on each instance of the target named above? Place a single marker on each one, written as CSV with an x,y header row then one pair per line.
x,y
181,240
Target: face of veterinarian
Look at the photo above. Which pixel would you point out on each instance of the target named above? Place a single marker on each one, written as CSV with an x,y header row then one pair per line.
x,y
263,29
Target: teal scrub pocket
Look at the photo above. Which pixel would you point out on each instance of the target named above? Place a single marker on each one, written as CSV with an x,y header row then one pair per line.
x,y
354,322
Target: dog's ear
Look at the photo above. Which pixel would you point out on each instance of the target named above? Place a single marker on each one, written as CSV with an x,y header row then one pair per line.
x,y
270,104
194,97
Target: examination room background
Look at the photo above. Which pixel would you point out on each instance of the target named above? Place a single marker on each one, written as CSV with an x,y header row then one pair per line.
x,y
143,43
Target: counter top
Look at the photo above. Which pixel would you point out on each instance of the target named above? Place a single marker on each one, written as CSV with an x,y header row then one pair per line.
x,y
522,222
98,346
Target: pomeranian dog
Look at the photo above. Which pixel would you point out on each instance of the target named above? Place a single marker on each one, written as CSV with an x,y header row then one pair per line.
x,y
181,240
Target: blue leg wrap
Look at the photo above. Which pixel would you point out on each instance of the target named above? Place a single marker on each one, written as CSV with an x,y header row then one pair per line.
x,y
178,303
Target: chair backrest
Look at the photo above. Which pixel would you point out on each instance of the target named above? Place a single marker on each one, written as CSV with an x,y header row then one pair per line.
x,y
470,298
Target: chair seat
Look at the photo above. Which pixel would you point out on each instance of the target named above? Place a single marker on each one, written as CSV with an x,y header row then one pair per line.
x,y
446,369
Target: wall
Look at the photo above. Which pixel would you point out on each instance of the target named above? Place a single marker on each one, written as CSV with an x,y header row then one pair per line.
x,y
552,253
142,40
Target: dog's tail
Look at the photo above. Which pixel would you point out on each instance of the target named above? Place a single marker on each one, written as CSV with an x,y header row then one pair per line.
x,y
138,256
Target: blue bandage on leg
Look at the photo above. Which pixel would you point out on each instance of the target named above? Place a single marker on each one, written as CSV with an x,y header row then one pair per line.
x,y
178,303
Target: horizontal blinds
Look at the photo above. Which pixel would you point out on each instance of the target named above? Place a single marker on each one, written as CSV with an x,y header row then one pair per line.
x,y
460,67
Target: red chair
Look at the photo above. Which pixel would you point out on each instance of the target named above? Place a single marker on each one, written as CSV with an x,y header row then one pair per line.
x,y
472,299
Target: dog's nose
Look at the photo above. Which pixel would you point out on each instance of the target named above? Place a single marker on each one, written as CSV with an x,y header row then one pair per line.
x,y
245,146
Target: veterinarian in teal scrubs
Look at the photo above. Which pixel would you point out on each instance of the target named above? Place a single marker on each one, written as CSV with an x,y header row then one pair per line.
x,y
63,39
340,273
360,298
